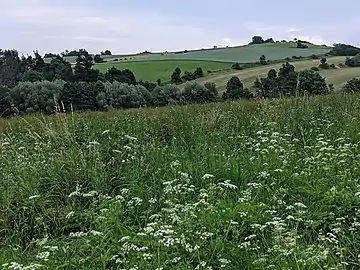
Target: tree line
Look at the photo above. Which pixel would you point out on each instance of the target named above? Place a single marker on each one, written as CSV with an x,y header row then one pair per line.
x,y
29,85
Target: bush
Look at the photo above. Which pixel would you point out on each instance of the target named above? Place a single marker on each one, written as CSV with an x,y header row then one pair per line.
x,y
235,90
5,101
195,92
352,86
331,87
236,66
121,95
81,95
40,97
166,95
311,82
199,72
263,60
314,56
315,69
299,45
332,66
188,76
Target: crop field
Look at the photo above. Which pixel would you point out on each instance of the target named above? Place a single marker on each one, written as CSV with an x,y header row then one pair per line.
x,y
337,76
152,70
243,54
232,185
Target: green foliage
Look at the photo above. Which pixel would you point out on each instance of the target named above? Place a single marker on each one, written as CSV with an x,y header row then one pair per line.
x,y
81,95
311,82
352,86
176,76
83,70
98,59
235,90
300,45
58,69
150,86
5,100
263,60
236,66
106,52
123,76
39,97
168,94
315,69
344,50
31,76
195,92
10,67
257,40
288,82
118,95
199,72
188,76
324,64
353,61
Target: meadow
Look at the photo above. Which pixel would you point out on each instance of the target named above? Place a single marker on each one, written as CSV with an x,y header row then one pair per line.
x,y
338,76
232,185
162,69
241,54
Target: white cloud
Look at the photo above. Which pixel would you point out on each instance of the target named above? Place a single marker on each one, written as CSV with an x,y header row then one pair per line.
x,y
319,40
290,30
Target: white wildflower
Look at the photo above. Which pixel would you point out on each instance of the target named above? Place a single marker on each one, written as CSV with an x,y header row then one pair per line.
x,y
207,176
124,239
70,214
43,255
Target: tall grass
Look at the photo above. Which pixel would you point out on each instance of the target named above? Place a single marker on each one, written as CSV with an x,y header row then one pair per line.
x,y
238,185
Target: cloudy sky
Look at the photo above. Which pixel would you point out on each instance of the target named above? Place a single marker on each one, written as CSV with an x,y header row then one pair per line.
x,y
125,26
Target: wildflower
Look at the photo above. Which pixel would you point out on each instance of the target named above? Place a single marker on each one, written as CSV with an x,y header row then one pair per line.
x,y
95,233
51,248
207,176
130,138
91,194
43,255
78,234
227,184
69,215
124,239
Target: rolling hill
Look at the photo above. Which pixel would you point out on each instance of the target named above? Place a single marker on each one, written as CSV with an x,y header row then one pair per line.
x,y
162,69
337,76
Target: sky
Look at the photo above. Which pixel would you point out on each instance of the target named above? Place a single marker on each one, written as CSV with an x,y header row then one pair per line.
x,y
124,26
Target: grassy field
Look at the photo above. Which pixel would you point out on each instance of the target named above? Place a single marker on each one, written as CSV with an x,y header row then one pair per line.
x,y
338,76
241,54
152,70
241,185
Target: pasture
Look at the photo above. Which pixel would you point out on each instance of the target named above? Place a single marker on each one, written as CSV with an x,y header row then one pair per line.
x,y
232,185
241,54
337,76
152,70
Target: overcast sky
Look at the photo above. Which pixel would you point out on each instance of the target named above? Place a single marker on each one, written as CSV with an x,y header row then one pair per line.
x,y
127,26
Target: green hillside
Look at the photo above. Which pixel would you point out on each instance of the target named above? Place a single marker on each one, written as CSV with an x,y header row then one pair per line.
x,y
152,70
337,76
242,54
